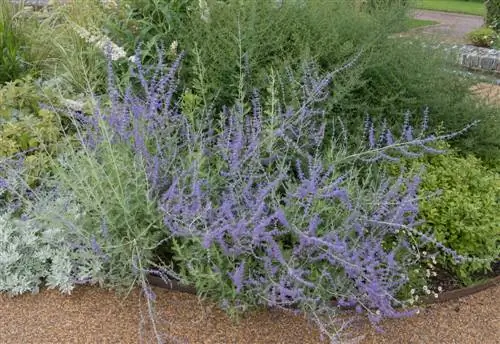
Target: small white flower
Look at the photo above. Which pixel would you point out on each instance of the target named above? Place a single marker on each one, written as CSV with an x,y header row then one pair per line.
x,y
440,289
412,291
424,253
436,295
434,274
377,312
133,59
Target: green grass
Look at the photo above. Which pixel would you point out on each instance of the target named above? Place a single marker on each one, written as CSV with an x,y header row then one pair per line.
x,y
457,6
416,23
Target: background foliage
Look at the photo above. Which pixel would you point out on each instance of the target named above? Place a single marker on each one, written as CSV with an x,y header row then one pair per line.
x,y
493,14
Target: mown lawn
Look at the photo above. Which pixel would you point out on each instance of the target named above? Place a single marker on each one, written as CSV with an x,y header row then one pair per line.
x,y
416,23
458,6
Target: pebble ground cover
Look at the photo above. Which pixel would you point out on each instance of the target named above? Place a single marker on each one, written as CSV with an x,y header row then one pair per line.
x,y
272,154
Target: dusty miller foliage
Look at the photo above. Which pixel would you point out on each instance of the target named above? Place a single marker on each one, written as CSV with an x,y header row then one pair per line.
x,y
38,250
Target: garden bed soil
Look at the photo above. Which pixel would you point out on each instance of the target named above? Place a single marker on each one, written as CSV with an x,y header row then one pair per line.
x,y
92,315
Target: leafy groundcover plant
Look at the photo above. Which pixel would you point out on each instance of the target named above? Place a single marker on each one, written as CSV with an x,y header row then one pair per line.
x,y
464,214
262,205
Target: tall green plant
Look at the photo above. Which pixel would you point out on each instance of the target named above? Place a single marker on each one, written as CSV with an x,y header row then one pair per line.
x,y
111,187
13,47
493,14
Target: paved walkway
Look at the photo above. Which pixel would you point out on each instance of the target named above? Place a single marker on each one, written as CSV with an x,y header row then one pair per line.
x,y
453,27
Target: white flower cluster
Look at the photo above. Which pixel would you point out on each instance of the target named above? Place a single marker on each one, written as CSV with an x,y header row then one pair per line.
x,y
173,48
102,42
73,105
204,10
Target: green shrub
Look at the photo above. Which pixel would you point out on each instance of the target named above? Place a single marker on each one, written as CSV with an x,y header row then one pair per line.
x,y
483,37
117,209
493,14
28,126
250,38
464,216
403,75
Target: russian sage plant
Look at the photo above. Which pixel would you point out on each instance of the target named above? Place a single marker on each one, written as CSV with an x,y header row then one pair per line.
x,y
264,204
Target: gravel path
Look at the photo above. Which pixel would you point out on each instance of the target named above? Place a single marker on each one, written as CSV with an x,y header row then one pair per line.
x,y
452,26
93,315
488,92
471,320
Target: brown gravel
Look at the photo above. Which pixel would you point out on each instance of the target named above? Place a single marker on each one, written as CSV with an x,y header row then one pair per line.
x,y
471,320
488,92
92,315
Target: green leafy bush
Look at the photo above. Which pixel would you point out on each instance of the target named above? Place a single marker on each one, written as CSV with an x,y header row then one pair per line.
x,y
484,37
250,38
405,75
229,38
23,124
493,14
464,216
27,125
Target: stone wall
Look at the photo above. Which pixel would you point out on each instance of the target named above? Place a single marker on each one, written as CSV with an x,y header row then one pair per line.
x,y
483,59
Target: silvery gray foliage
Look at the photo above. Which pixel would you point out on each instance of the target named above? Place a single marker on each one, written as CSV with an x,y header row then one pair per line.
x,y
37,252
